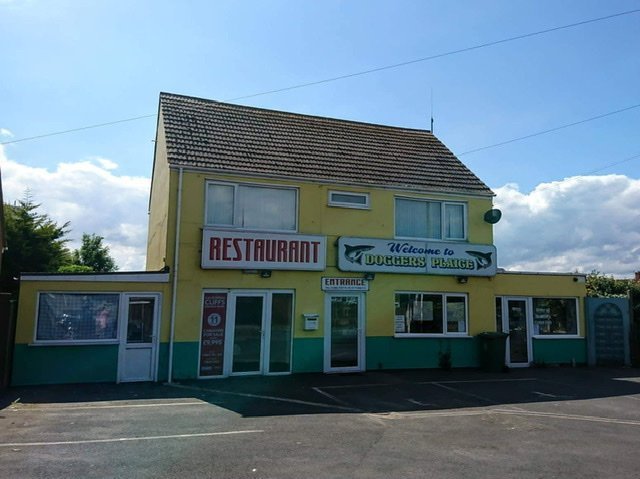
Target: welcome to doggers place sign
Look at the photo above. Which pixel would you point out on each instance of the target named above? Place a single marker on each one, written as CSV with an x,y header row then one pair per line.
x,y
416,257
248,250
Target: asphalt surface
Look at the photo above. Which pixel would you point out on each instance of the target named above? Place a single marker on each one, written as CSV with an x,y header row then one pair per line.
x,y
535,423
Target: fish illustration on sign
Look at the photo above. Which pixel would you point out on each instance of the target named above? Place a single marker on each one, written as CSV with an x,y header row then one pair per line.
x,y
353,254
483,260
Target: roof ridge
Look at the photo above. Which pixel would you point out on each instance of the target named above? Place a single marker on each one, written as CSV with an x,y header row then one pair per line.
x,y
295,114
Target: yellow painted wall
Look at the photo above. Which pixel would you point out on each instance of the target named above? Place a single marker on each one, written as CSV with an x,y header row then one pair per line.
x,y
28,301
159,205
521,284
316,217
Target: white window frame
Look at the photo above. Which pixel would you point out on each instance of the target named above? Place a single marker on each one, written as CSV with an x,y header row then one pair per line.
x,y
343,204
265,357
443,203
445,333
77,342
554,335
235,224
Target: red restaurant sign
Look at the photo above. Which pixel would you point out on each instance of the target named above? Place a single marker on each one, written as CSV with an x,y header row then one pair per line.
x,y
214,315
249,250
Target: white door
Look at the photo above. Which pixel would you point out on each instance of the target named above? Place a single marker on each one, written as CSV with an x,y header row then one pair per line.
x,y
517,322
139,338
344,332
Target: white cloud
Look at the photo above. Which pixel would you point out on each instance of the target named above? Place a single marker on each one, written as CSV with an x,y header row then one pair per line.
x,y
92,198
5,132
582,223
106,163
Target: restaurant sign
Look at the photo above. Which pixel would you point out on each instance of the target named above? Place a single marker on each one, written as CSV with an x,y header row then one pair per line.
x,y
223,249
416,257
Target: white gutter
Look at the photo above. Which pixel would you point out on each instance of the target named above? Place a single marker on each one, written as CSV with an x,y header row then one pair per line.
x,y
176,263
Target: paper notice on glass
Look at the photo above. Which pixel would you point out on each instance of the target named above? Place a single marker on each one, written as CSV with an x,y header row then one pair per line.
x,y
422,310
455,312
400,324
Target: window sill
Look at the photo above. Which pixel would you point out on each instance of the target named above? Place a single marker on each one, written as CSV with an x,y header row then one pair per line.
x,y
431,240
430,335
83,342
349,206
239,229
557,336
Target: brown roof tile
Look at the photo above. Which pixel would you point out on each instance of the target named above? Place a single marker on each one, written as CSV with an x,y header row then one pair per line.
x,y
232,138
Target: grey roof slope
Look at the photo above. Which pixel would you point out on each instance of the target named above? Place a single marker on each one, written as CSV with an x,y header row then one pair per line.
x,y
233,138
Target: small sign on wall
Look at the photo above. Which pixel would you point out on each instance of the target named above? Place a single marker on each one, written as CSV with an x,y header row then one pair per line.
x,y
344,284
214,312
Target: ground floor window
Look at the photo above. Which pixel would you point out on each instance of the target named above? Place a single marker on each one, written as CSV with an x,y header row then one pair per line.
x,y
555,316
76,317
430,313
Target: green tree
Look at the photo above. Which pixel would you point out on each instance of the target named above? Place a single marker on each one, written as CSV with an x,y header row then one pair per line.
x,y
603,286
35,243
94,255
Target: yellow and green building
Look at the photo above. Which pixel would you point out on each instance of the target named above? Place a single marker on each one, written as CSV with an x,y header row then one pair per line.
x,y
282,243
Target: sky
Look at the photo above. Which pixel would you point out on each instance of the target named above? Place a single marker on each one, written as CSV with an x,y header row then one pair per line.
x,y
569,197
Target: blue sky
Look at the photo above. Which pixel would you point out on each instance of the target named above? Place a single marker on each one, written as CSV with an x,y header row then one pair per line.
x,y
68,64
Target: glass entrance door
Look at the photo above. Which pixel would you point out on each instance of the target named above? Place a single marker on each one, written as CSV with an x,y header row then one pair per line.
x,y
518,329
248,334
344,345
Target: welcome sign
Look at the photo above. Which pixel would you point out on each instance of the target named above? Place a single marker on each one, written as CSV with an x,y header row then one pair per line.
x,y
416,257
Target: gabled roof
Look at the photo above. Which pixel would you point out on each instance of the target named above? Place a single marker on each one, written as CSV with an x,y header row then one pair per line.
x,y
239,139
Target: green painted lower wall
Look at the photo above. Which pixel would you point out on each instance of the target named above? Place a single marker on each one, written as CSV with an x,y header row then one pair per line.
x,y
308,355
185,360
99,363
385,352
560,351
64,364
409,353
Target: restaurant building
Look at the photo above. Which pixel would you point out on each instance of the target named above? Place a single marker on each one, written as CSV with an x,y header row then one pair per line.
x,y
281,243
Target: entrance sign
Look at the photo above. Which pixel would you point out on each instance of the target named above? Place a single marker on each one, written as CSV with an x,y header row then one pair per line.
x,y
214,318
416,257
223,249
344,284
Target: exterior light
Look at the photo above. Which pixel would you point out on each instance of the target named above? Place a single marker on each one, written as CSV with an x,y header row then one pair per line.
x,y
462,279
265,273
369,276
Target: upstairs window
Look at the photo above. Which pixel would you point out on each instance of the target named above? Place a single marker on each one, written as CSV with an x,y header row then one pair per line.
x,y
347,199
252,207
434,220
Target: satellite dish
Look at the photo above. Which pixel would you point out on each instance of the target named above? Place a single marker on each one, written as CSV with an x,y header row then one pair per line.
x,y
493,216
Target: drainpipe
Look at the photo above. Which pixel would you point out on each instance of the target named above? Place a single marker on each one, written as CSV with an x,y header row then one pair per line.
x,y
176,263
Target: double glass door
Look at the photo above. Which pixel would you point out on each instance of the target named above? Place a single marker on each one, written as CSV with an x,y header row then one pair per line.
x,y
260,333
